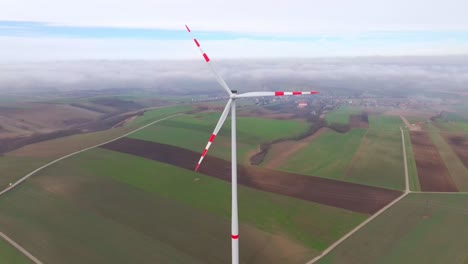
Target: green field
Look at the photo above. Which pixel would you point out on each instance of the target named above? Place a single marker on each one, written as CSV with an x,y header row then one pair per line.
x,y
455,122
107,207
421,228
455,166
327,156
193,131
9,254
379,160
452,126
414,184
341,115
371,157
13,168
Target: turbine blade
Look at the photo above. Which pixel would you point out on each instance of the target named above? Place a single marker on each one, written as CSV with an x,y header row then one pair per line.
x,y
208,61
278,93
215,132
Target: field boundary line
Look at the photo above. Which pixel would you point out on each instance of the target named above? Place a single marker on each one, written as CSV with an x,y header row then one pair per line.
x,y
20,248
357,228
463,193
24,178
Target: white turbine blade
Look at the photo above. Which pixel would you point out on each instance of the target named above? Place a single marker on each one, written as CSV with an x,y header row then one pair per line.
x,y
279,93
207,59
215,132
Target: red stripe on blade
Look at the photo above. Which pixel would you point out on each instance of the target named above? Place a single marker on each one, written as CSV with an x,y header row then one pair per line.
x,y
212,138
279,93
196,42
234,236
198,165
206,57
204,152
314,92
297,93
188,29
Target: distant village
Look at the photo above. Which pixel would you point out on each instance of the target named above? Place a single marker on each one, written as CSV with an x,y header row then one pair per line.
x,y
320,104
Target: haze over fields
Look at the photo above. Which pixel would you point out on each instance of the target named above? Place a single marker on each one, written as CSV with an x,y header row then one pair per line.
x,y
367,74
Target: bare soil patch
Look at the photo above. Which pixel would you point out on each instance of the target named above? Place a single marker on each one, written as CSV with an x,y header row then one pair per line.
x,y
432,171
359,121
33,118
15,142
350,196
118,104
355,121
459,144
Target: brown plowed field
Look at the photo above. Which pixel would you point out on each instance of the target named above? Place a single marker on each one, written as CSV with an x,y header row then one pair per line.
x,y
354,197
432,172
359,121
459,144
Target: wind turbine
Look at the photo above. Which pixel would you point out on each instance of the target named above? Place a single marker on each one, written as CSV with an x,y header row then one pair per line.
x,y
231,105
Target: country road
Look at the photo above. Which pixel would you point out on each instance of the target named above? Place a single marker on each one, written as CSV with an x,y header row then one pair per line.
x,y
20,248
405,161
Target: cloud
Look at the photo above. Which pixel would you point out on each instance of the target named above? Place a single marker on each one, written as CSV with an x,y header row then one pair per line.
x,y
391,74
46,48
108,29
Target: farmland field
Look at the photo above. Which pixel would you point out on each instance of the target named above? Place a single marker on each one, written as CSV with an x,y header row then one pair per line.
x,y
455,122
12,168
9,254
130,209
452,127
458,172
326,156
379,159
279,152
421,228
358,198
105,206
341,115
193,131
432,171
459,144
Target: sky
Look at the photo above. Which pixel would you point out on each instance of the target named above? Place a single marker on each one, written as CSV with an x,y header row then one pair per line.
x,y
47,30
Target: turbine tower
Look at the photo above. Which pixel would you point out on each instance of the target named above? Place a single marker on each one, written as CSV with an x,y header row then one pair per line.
x,y
231,106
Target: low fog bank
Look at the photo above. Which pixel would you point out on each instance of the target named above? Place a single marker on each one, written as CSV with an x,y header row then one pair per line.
x,y
366,74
